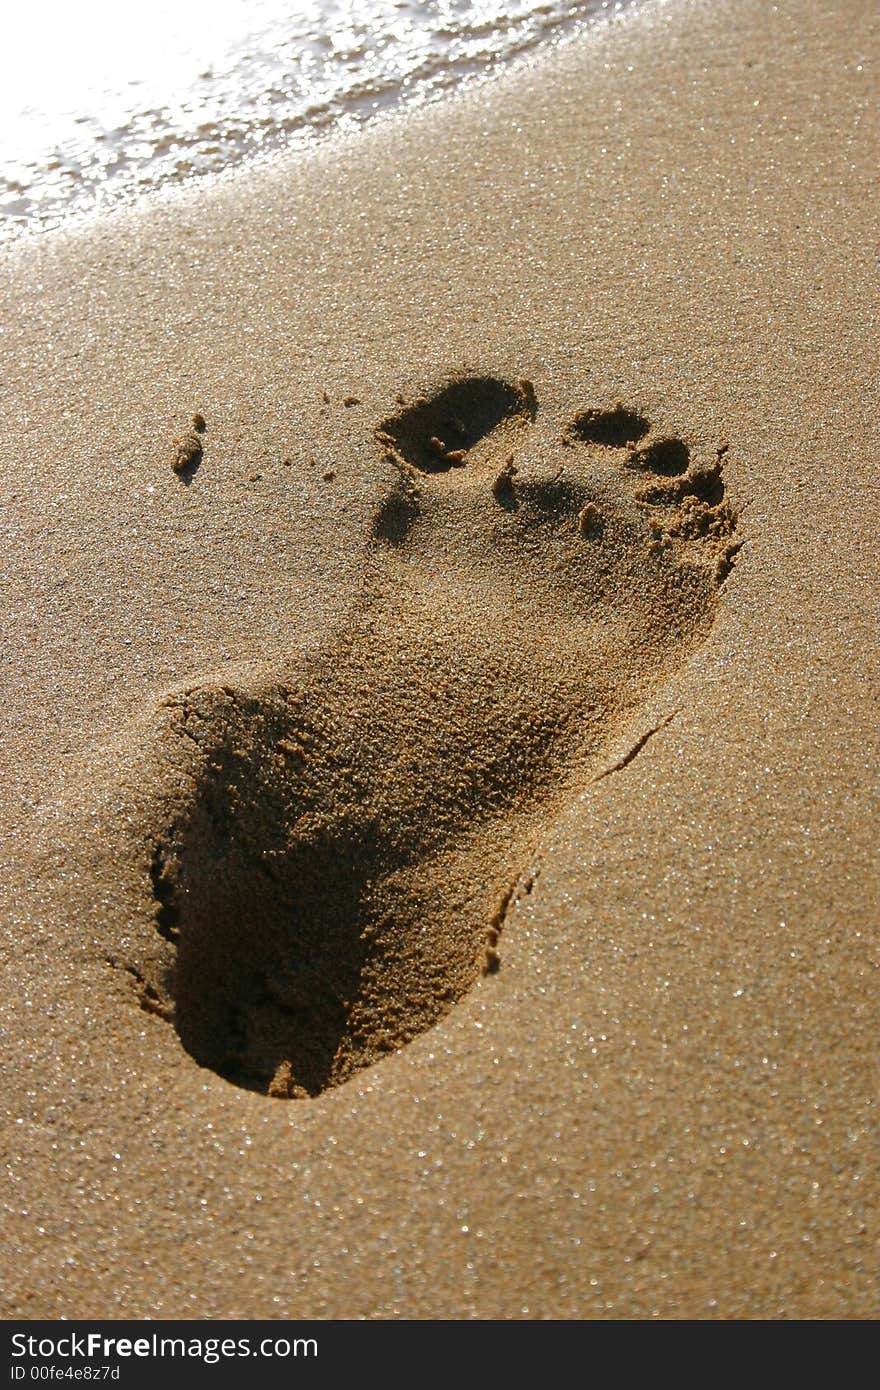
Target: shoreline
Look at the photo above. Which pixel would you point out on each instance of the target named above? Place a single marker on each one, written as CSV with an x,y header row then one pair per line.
x,y
661,1103
337,119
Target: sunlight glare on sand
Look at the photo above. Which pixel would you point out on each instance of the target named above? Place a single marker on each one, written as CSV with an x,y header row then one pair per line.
x,y
63,61
100,101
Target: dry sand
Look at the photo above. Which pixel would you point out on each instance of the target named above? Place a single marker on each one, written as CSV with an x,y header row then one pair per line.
x,y
510,824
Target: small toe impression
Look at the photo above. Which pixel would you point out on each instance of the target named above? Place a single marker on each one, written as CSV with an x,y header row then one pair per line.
x,y
667,457
436,433
395,515
618,428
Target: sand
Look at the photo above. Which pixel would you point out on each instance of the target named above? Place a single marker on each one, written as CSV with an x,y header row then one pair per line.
x,y
439,875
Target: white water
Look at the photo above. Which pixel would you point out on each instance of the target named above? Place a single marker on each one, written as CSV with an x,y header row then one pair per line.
x,y
101,100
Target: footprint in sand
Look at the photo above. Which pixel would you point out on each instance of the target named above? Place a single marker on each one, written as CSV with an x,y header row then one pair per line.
x,y
332,873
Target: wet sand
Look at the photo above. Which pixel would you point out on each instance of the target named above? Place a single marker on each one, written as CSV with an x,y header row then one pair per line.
x,y
435,885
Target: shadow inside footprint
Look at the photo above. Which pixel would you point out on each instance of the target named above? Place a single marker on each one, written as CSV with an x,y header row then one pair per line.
x,y
269,957
436,434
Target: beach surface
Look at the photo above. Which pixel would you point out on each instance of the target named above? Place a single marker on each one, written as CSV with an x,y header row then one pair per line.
x,y
438,816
